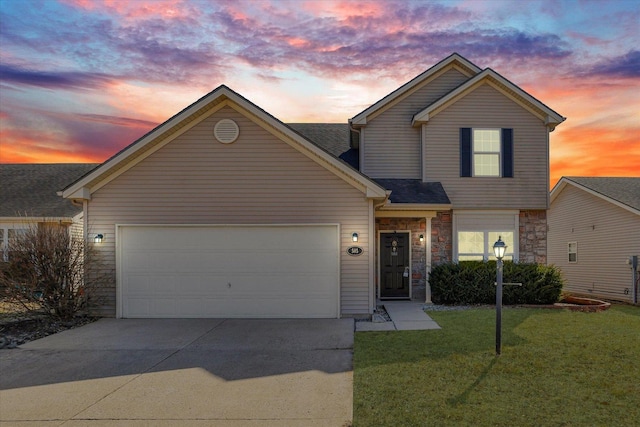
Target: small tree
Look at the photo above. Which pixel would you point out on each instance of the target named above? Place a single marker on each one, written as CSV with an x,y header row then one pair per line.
x,y
46,269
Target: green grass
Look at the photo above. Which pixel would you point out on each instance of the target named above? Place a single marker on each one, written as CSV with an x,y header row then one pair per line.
x,y
557,368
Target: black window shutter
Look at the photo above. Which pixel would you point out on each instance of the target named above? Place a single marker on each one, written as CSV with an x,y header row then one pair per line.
x,y
507,153
465,152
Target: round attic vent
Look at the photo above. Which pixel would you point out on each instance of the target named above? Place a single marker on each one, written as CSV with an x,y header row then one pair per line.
x,y
226,131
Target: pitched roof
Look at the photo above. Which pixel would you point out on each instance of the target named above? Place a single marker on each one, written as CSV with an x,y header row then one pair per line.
x,y
30,189
454,59
193,114
414,191
333,137
488,76
622,191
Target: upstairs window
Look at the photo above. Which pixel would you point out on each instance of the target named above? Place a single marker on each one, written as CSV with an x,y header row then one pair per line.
x,y
486,152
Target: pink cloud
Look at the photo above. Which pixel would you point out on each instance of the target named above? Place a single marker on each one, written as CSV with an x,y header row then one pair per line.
x,y
139,9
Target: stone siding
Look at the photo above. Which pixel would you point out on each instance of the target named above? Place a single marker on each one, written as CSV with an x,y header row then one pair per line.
x,y
442,238
533,236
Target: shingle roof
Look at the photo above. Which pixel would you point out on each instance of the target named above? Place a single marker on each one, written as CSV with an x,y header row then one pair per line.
x,y
415,191
332,137
621,189
30,189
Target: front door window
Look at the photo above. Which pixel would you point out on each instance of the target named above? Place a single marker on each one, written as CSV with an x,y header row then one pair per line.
x,y
395,271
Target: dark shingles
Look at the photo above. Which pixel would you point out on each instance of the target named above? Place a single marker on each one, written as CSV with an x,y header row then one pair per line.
x,y
30,189
332,137
621,189
415,191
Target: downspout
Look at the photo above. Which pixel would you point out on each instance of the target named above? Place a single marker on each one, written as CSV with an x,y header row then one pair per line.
x,y
372,248
359,148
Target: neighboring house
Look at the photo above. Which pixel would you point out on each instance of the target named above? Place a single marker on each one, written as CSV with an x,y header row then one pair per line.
x,y
224,211
594,227
28,196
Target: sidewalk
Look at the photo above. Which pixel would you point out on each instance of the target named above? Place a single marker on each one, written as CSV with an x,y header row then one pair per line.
x,y
405,316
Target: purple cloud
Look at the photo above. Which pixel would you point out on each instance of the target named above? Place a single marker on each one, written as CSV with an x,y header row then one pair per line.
x,y
625,66
53,80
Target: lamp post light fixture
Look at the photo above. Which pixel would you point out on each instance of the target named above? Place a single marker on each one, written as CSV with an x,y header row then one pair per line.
x,y
499,248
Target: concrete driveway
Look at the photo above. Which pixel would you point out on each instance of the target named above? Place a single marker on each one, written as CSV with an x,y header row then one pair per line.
x,y
191,372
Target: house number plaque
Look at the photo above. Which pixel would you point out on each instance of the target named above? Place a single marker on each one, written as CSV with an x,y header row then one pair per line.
x,y
355,250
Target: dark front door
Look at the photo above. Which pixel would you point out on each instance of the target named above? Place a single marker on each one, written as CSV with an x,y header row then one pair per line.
x,y
395,272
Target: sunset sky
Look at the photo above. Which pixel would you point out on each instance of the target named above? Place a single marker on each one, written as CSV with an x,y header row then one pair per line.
x,y
81,79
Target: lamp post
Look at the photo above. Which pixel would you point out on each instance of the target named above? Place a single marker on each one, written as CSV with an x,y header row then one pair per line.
x,y
499,248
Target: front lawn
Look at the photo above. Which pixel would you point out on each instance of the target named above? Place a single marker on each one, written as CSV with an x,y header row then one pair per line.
x,y
557,368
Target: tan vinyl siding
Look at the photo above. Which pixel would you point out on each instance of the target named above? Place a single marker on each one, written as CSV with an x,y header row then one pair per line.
x,y
258,179
392,146
606,235
486,107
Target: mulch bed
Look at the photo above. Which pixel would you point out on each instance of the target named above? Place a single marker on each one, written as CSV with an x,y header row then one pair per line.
x,y
17,328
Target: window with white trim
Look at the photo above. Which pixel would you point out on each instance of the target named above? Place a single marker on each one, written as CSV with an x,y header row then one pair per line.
x,y
572,250
478,245
7,233
486,152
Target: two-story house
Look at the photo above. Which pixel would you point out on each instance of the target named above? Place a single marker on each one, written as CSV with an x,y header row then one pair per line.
x,y
224,211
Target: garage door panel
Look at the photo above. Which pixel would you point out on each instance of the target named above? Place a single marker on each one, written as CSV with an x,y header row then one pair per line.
x,y
172,271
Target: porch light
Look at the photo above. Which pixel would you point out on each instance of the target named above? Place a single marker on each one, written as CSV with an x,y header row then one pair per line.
x,y
98,238
421,238
499,248
354,237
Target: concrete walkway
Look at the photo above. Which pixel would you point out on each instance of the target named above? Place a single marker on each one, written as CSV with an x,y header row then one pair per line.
x,y
405,316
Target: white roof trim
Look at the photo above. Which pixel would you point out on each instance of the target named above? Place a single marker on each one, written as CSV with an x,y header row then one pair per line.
x,y
552,118
564,181
361,119
32,219
389,206
83,187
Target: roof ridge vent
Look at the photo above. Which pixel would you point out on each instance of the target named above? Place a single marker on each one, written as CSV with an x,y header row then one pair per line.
x,y
226,131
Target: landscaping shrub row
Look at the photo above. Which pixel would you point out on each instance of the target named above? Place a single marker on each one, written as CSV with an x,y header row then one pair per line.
x,y
473,282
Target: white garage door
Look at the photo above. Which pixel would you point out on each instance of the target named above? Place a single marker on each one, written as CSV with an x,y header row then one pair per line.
x,y
237,271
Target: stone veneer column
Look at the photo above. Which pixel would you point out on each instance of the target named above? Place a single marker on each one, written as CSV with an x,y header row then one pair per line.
x,y
442,238
533,236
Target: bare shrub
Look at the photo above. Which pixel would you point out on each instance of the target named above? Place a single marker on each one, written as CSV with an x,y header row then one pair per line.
x,y
46,268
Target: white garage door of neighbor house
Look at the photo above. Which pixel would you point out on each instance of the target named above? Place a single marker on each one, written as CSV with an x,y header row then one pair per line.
x,y
230,271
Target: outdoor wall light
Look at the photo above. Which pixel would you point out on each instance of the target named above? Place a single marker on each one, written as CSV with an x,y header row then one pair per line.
x,y
98,238
354,237
421,238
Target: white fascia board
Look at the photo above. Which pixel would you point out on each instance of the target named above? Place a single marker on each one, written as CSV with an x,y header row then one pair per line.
x,y
592,192
415,207
557,189
34,219
419,213
81,193
372,189
361,118
69,192
552,118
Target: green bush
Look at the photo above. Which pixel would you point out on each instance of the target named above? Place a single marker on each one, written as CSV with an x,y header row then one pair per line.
x,y
473,282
